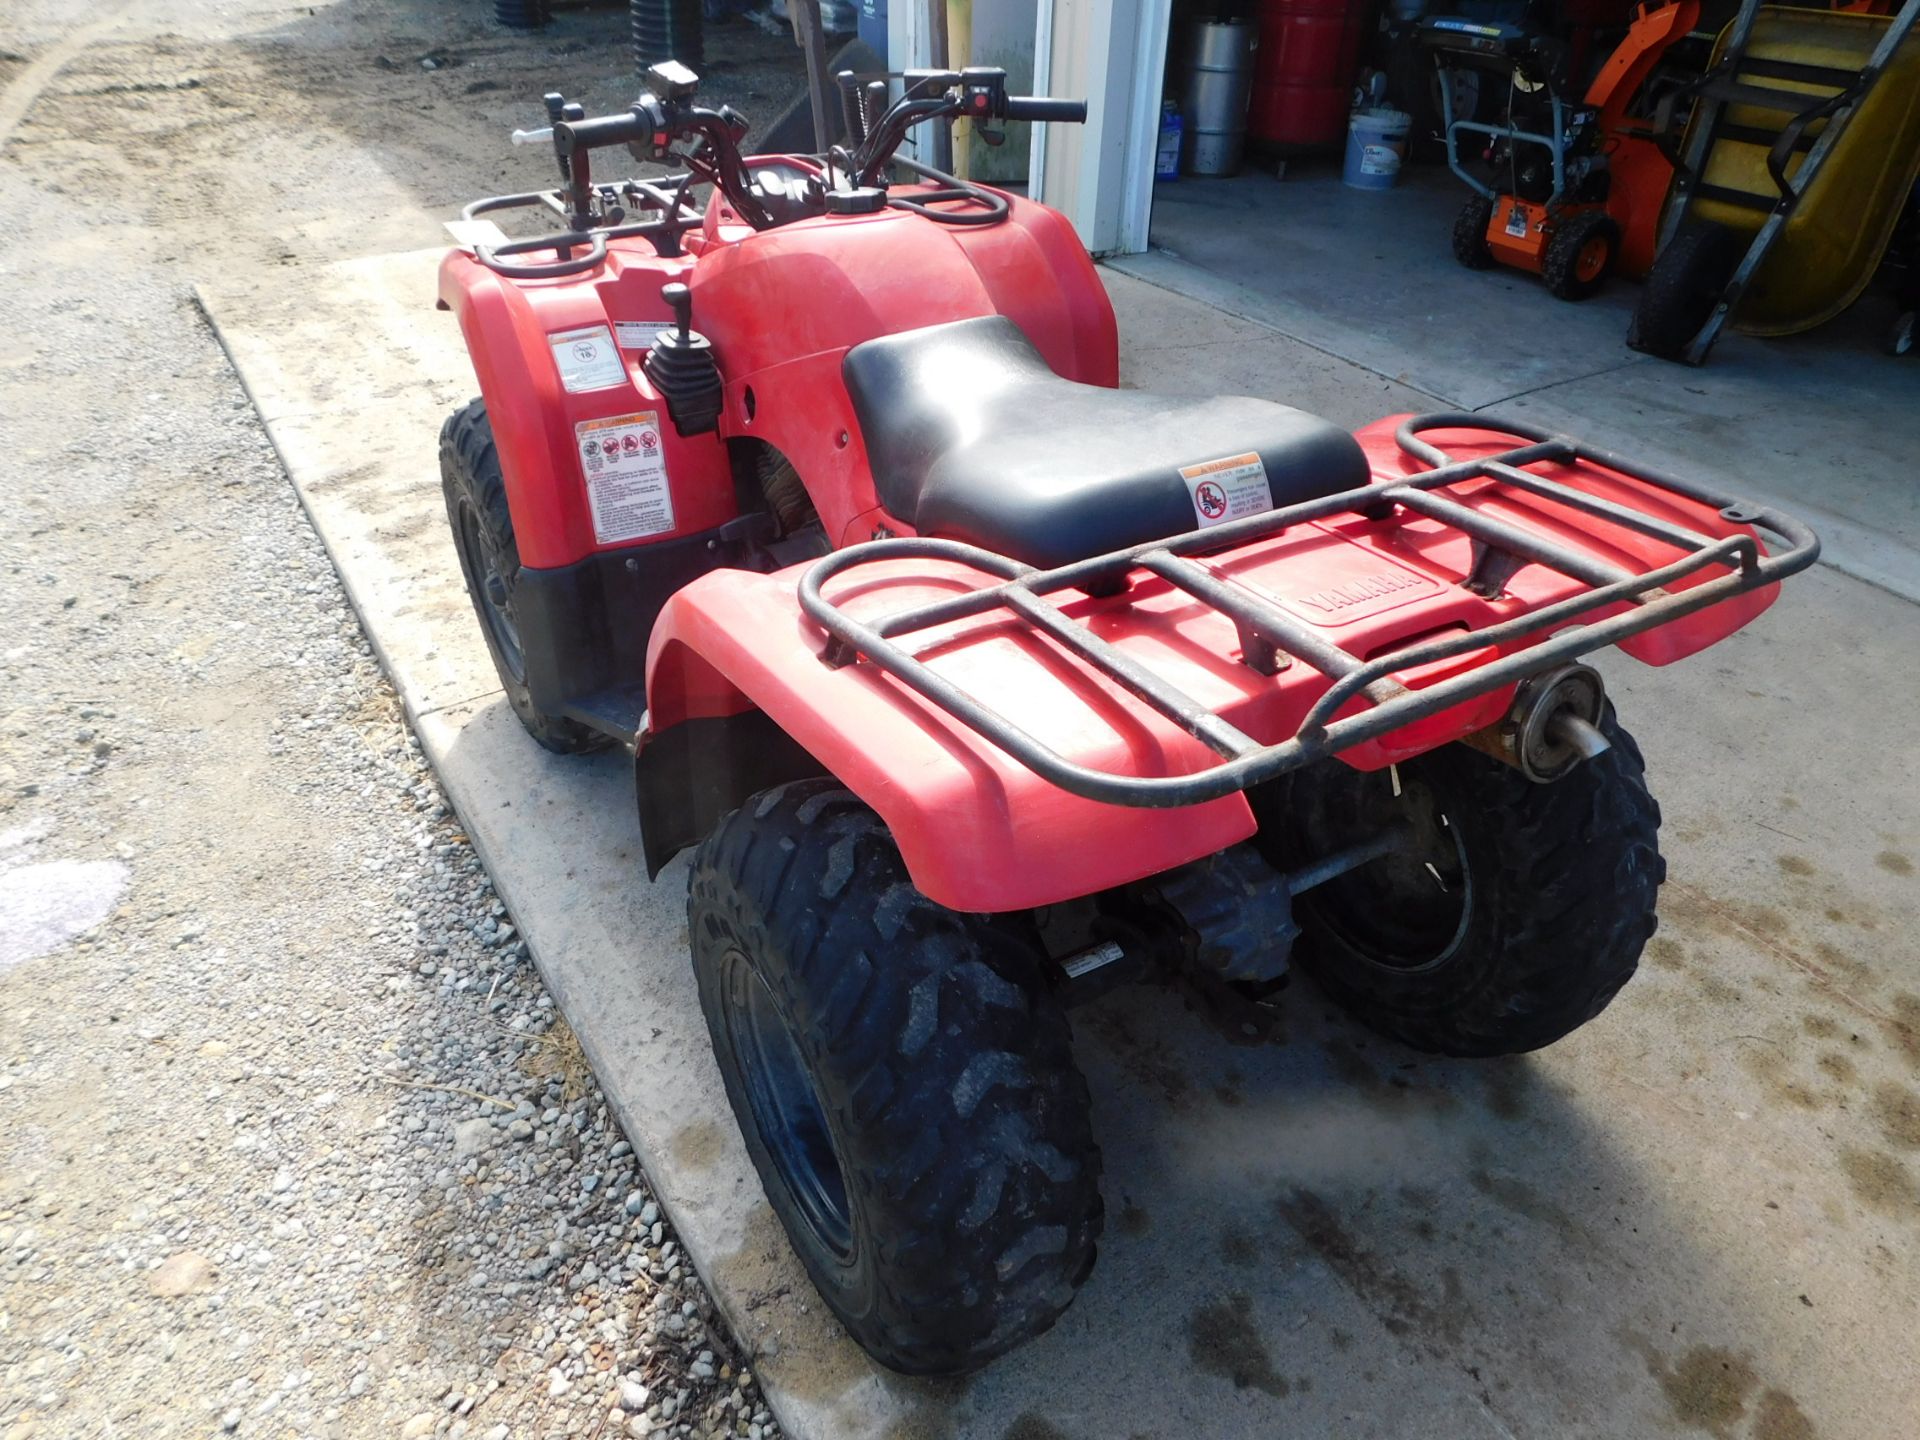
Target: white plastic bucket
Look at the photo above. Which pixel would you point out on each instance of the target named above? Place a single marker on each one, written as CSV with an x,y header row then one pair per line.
x,y
1376,147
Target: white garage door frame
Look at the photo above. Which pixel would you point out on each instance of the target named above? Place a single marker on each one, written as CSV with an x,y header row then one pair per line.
x,y
1112,53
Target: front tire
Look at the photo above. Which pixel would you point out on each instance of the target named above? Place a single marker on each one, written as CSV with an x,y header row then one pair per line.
x,y
1517,916
1470,246
476,494
904,1081
1581,256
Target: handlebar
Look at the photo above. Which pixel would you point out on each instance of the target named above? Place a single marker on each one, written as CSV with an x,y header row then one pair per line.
x,y
1043,109
978,93
667,113
572,136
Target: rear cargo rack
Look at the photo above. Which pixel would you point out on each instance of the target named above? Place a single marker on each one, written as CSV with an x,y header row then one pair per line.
x,y
1271,639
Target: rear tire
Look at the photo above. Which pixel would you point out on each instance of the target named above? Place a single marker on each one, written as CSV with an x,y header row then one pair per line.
x,y
1580,256
1470,233
1683,288
904,1081
1517,923
476,496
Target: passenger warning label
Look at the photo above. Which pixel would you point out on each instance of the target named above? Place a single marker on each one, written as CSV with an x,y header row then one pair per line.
x,y
625,465
1227,489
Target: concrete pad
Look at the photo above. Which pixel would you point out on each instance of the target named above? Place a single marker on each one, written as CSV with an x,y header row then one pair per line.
x,y
1698,1213
1822,422
1170,344
1368,275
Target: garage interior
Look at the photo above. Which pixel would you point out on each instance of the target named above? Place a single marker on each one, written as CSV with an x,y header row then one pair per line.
x,y
1369,275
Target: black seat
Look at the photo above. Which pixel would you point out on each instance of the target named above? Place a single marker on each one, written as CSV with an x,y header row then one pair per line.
x,y
972,437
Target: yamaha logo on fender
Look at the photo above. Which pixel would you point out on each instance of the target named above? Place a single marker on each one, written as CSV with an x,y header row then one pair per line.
x,y
1358,592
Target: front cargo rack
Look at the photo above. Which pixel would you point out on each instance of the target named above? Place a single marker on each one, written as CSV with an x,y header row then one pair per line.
x,y
662,200
1271,639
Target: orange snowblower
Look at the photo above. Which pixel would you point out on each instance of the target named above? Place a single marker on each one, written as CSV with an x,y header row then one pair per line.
x,y
1577,190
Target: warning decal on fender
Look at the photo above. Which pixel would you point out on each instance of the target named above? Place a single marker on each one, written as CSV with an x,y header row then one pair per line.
x,y
637,334
625,465
1227,489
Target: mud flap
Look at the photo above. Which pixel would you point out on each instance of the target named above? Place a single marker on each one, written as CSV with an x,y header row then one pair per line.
x,y
689,776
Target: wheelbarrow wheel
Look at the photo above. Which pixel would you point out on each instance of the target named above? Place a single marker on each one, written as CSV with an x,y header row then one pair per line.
x,y
1470,233
476,496
1581,255
904,1080
1513,916
1683,287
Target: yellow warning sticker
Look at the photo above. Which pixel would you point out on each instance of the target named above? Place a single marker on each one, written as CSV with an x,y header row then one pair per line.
x,y
1227,488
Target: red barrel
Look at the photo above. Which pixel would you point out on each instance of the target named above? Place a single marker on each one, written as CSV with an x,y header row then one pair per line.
x,y
1303,74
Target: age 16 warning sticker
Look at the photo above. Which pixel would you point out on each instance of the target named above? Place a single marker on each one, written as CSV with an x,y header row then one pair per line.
x,y
625,465
587,359
1227,489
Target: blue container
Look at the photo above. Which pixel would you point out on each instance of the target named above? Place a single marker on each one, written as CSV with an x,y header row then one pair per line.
x,y
872,26
1166,155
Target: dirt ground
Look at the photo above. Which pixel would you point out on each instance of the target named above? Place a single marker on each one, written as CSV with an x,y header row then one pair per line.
x,y
292,1141
262,134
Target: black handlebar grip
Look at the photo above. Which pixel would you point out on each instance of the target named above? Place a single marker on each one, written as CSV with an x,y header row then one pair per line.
x,y
601,130
1042,107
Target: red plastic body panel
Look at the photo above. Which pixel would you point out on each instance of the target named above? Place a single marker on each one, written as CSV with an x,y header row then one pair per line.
x,y
506,324
979,831
781,307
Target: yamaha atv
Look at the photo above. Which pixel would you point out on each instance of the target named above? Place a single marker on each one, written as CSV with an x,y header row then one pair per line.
x,y
978,685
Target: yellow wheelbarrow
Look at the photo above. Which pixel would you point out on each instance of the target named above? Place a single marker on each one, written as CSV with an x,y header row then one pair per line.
x,y
1795,167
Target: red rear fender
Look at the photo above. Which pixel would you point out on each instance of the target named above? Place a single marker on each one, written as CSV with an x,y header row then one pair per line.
x,y
978,830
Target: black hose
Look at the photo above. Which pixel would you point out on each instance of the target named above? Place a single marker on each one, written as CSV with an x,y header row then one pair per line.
x,y
521,14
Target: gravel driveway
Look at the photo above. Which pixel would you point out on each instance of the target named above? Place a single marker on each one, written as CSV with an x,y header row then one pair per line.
x,y
291,1140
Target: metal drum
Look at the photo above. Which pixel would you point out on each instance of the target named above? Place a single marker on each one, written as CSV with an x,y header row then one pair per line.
x,y
1214,108
1309,51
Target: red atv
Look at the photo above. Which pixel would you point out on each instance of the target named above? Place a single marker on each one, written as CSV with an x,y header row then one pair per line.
x,y
982,685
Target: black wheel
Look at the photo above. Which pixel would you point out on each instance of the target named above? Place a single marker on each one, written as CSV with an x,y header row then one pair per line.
x,y
1683,288
522,14
1515,918
1581,254
1900,334
904,1080
476,496
1470,233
